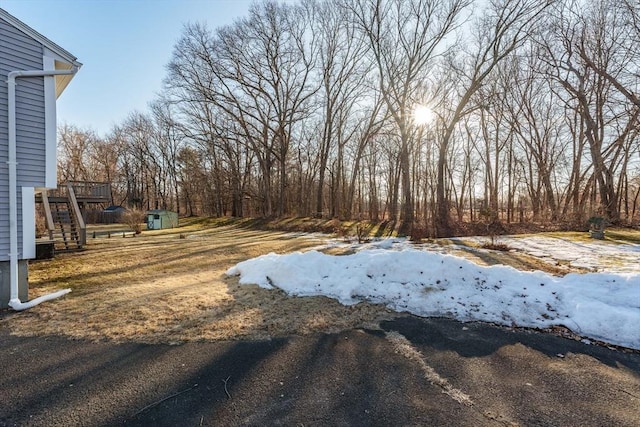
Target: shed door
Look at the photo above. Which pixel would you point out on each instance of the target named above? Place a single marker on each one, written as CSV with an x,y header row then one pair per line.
x,y
154,222
157,222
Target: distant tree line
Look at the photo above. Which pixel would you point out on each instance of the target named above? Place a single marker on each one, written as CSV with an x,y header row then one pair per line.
x,y
424,112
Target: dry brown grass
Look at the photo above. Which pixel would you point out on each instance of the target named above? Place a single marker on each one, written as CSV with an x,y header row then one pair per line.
x,y
169,286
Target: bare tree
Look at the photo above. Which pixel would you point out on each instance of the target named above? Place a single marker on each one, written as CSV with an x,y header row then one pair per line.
x,y
342,71
536,118
621,21
170,139
606,123
501,29
74,150
405,38
272,63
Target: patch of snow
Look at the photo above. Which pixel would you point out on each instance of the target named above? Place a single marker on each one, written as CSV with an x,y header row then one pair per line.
x,y
595,256
602,306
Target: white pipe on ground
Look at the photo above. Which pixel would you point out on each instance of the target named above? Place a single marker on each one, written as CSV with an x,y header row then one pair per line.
x,y
19,306
12,162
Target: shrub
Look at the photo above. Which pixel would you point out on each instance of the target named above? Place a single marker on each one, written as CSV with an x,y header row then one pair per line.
x,y
362,232
342,231
134,218
419,231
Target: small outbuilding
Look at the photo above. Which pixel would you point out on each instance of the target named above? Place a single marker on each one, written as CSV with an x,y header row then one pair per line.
x,y
158,219
111,215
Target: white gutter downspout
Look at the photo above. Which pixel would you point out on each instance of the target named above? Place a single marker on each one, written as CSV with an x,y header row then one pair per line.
x,y
15,302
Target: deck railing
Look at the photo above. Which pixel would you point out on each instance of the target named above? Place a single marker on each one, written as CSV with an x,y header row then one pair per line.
x,y
84,190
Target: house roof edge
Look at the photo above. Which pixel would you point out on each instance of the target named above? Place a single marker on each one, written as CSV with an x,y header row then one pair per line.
x,y
54,47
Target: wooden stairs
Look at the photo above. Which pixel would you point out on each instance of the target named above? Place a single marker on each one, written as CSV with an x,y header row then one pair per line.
x,y
64,220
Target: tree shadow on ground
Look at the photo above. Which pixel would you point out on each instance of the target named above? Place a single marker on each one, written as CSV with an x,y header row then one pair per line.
x,y
478,339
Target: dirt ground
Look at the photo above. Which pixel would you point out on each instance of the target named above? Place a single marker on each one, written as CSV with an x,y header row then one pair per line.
x,y
169,286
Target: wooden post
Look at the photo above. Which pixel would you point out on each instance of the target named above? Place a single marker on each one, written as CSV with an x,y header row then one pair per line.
x,y
47,214
78,214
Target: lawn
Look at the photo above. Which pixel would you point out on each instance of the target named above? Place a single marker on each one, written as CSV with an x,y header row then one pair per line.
x,y
169,286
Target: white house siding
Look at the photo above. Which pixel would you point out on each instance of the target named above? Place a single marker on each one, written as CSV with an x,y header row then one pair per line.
x,y
20,52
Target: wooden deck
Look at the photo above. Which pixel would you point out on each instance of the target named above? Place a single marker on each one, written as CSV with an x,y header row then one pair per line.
x,y
85,192
63,213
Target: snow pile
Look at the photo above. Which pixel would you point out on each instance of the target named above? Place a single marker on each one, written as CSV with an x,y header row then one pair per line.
x,y
602,306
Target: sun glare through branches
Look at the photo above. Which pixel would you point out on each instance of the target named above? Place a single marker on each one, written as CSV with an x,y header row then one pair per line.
x,y
422,115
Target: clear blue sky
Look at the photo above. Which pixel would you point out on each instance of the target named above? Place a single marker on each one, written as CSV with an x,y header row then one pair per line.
x,y
124,46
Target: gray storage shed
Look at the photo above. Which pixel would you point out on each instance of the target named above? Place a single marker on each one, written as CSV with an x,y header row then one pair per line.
x,y
158,219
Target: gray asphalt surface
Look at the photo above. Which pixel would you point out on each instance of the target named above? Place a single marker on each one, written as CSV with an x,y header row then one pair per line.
x,y
412,372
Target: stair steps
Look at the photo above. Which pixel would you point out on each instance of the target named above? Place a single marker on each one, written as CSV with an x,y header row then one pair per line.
x,y
64,221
